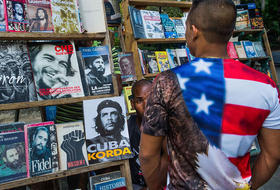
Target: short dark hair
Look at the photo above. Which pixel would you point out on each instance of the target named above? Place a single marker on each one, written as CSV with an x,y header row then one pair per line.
x,y
45,15
139,84
8,147
215,18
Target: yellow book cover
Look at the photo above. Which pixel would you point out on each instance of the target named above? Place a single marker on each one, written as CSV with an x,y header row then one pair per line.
x,y
127,94
162,60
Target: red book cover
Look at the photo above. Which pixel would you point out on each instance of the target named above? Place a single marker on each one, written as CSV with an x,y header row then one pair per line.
x,y
231,51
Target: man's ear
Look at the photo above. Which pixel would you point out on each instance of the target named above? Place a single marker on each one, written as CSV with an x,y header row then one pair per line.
x,y
195,31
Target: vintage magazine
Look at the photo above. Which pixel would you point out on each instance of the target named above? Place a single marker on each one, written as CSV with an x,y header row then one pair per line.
x,y
40,15
98,70
2,16
168,26
16,82
16,16
13,159
162,61
106,129
71,145
127,67
172,58
113,13
41,148
182,57
55,70
179,26
127,95
151,61
65,16
12,127
136,22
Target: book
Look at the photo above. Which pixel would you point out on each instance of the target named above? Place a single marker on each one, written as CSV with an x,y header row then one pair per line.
x,y
2,16
55,70
113,13
103,177
12,127
65,16
249,49
136,22
151,61
152,24
240,49
162,61
179,26
168,26
39,15
92,15
143,63
71,145
242,20
182,57
231,51
81,64
111,184
16,16
97,69
258,46
127,67
41,148
172,58
127,95
16,82
13,159
106,129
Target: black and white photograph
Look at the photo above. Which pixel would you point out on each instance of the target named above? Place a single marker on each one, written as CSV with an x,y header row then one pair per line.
x,y
106,129
55,70
2,16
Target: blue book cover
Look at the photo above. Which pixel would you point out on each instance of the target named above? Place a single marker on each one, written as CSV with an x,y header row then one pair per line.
x,y
249,49
136,23
111,184
168,26
179,26
13,160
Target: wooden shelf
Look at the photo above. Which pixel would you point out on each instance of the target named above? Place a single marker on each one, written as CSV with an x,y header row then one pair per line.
x,y
247,31
60,174
151,75
254,58
50,36
161,41
181,4
22,105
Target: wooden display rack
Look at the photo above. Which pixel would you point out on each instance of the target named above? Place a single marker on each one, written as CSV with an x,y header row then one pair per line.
x,y
131,44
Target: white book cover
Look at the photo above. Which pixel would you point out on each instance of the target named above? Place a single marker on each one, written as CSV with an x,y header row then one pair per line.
x,y
152,24
172,58
92,15
182,57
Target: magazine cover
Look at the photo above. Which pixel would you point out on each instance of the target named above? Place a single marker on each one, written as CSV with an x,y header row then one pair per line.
x,y
12,157
162,61
113,13
71,145
168,26
2,16
41,148
151,61
242,20
240,49
258,46
106,129
136,22
97,70
172,58
111,184
65,16
16,16
179,26
152,24
40,15
231,51
103,177
127,96
16,82
55,70
249,49
127,66
182,57
12,127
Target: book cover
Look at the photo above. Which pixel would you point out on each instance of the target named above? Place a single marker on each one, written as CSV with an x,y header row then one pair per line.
x,y
182,57
113,13
143,63
71,145
151,61
106,129
2,16
111,184
127,67
240,49
81,63
16,82
152,24
92,15
231,51
127,96
168,26
258,46
242,20
41,148
249,49
180,27
97,70
55,70
13,159
16,16
12,127
103,177
65,16
40,15
162,61
172,58
136,23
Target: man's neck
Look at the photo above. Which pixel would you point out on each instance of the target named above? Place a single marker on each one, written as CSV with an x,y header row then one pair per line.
x,y
210,50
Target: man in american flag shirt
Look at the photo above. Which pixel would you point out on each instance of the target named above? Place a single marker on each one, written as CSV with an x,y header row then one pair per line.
x,y
211,111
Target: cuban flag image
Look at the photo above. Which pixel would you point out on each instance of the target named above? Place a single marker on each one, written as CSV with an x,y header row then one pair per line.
x,y
218,95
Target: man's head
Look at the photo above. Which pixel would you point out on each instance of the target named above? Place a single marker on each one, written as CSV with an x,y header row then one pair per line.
x,y
126,66
11,156
110,119
18,8
140,92
96,65
40,139
212,20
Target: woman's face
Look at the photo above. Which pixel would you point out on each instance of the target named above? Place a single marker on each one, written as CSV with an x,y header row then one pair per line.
x,y
41,14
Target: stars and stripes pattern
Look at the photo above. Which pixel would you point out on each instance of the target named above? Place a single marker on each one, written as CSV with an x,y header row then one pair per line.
x,y
230,102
